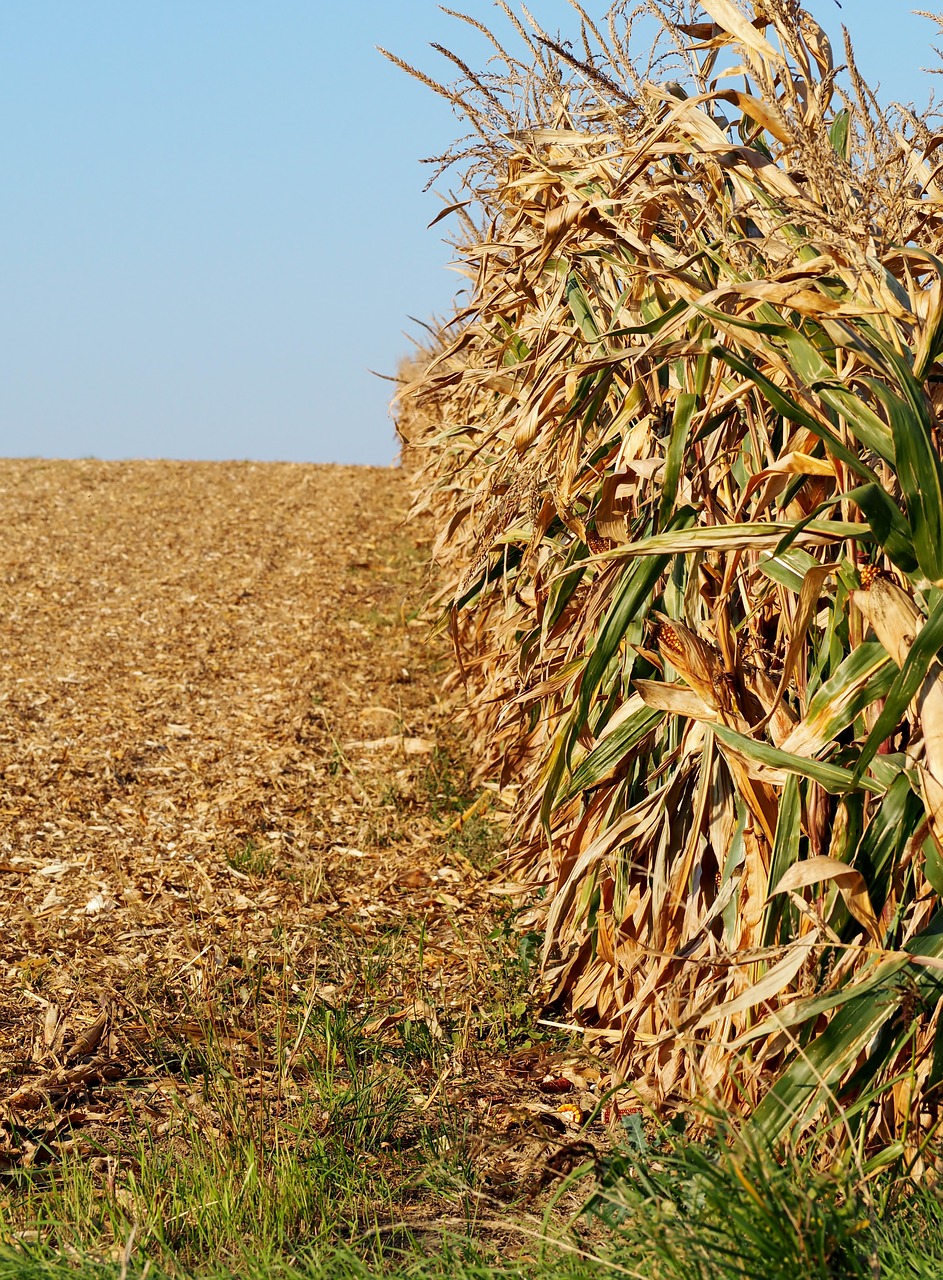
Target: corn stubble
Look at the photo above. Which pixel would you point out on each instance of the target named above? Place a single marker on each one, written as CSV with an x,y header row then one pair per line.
x,y
682,449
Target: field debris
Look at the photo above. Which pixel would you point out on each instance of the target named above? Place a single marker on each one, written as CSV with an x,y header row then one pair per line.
x,y
231,824
190,782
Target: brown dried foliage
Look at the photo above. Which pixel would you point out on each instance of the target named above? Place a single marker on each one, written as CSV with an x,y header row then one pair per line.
x,y
706,311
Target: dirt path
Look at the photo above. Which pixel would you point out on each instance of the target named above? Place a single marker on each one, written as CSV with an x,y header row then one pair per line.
x,y
217,729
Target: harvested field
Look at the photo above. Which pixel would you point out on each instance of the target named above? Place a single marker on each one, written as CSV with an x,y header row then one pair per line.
x,y
234,809
189,649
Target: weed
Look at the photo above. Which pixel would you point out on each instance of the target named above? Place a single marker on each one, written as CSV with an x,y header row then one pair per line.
x,y
478,841
313,1156
254,1150
445,785
734,1208
252,860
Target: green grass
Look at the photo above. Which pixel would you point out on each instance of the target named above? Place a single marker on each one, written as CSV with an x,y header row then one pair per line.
x,y
241,1168
252,859
311,1142
452,800
732,1208
335,1171
233,1210
320,1144
455,1260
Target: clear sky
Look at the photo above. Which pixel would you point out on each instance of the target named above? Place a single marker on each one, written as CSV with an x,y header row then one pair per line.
x,y
212,223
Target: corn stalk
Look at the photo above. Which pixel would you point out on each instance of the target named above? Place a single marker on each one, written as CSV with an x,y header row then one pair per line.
x,y
682,449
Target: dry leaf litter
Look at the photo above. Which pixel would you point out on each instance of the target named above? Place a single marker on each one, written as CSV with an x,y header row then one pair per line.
x,y
221,724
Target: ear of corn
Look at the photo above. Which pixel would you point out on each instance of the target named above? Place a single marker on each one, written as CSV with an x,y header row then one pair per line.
x,y
683,452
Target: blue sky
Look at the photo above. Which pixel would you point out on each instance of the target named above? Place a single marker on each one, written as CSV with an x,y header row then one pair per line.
x,y
212,223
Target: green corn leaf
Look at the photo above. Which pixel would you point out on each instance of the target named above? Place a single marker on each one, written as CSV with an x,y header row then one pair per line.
x,y
585,389
792,411
839,134
613,748
788,568
751,535
596,401
818,375
631,600
650,328
509,560
889,527
936,1065
865,676
865,1008
871,978
912,674
886,769
554,770
814,524
580,309
562,586
685,405
933,864
862,420
919,471
832,777
808,1081
785,853
893,823
516,349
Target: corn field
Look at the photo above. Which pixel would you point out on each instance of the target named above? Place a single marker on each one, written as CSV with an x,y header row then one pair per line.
x,y
681,445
